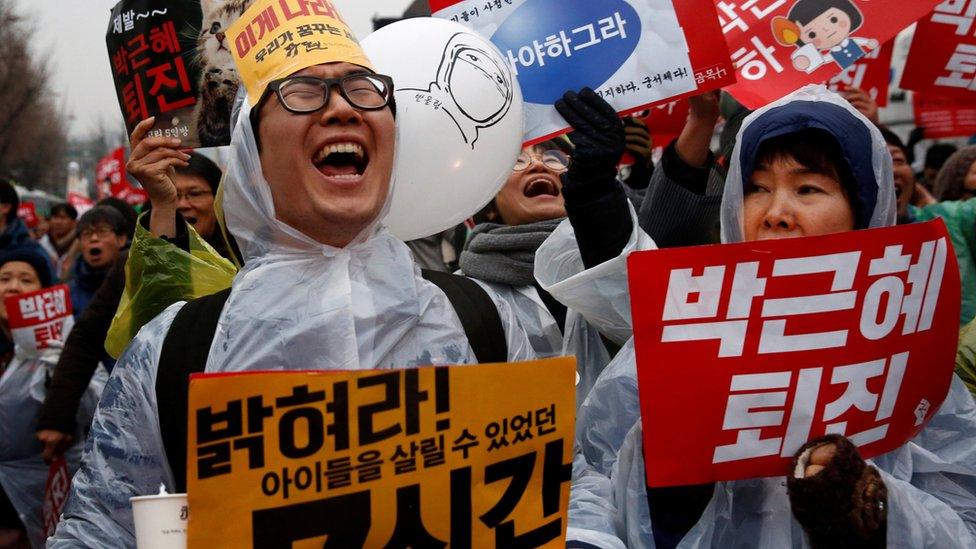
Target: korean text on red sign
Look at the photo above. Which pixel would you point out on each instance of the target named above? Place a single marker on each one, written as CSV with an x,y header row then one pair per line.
x,y
633,53
942,59
778,46
747,351
39,317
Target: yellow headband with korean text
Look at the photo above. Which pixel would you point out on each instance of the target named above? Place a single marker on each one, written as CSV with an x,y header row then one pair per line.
x,y
275,38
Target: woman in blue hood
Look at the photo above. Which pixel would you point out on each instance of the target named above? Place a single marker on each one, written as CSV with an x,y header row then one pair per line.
x,y
806,165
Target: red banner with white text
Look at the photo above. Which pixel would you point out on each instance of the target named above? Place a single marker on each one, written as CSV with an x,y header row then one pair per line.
x,y
779,46
747,351
942,59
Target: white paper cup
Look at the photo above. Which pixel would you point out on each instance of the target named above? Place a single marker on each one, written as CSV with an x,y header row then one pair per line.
x,y
160,521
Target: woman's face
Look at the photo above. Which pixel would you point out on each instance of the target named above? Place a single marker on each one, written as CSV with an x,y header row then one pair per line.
x,y
969,184
532,194
786,200
17,277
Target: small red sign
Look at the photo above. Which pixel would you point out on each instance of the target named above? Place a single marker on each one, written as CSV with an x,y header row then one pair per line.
x,y
55,493
779,46
39,317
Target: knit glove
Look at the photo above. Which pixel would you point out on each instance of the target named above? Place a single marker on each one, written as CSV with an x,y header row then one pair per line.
x,y
837,498
595,202
598,138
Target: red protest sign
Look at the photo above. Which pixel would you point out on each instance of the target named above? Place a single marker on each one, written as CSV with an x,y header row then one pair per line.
x,y
81,203
778,46
942,59
945,117
872,73
110,174
747,351
665,122
55,493
27,211
36,318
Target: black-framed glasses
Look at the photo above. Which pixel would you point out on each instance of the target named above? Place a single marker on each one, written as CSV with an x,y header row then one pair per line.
x,y
305,94
554,159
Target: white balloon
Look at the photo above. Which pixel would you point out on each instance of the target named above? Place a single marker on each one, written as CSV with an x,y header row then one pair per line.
x,y
459,122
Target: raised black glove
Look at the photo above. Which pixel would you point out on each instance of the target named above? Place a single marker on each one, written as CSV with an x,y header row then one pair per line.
x,y
598,135
595,201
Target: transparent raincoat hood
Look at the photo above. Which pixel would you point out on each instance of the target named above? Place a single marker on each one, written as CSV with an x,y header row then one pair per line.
x,y
300,304
817,107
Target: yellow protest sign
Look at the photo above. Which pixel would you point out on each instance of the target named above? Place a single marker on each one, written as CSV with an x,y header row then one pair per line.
x,y
275,38
466,456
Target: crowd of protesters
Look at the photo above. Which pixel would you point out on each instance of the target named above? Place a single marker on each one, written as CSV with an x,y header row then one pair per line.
x,y
813,163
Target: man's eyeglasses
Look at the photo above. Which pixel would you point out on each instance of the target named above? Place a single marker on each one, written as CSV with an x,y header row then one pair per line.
x,y
103,231
554,159
305,94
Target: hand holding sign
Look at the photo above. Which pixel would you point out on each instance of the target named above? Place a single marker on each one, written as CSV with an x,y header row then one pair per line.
x,y
153,163
834,494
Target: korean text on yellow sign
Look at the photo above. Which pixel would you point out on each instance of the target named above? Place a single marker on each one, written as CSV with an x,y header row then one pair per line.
x,y
470,456
275,38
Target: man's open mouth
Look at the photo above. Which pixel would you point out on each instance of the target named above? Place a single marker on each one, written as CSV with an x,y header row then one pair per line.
x,y
341,160
541,186
95,252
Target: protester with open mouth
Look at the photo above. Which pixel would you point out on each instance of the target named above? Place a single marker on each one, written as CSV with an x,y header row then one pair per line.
x,y
102,235
324,285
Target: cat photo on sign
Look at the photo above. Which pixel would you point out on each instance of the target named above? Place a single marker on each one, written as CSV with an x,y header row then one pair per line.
x,y
218,74
465,65
821,31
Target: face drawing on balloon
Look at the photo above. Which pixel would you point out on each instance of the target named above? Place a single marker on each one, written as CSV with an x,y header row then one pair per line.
x,y
473,89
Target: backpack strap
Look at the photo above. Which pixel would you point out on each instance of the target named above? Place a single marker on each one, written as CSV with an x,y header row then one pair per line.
x,y
477,312
184,352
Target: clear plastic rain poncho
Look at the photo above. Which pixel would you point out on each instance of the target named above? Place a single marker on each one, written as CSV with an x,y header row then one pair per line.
x,y
578,338
296,305
931,481
23,474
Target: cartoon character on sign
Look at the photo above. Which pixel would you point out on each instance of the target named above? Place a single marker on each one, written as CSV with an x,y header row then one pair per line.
x,y
471,86
821,31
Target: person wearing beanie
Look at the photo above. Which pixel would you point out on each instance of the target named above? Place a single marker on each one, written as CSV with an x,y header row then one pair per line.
x,y
23,376
806,165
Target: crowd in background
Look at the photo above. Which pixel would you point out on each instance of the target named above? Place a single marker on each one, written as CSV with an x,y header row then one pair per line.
x,y
673,197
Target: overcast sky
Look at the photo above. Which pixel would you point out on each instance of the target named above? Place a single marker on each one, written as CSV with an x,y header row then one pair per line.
x,y
73,34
